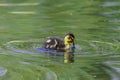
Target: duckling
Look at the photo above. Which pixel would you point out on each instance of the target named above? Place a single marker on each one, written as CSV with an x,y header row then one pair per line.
x,y
54,43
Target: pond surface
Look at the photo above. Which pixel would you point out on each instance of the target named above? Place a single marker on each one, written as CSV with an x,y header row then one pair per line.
x,y
25,24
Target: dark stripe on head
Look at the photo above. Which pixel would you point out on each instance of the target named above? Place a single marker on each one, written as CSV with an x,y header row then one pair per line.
x,y
70,34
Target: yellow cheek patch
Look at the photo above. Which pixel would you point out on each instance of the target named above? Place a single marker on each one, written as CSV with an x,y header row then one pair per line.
x,y
68,40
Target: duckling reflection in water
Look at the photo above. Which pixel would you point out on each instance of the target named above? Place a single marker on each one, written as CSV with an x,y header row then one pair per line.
x,y
60,45
69,56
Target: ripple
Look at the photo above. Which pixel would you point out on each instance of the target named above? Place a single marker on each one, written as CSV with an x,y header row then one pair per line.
x,y
3,71
4,26
111,70
22,51
51,76
114,21
110,13
99,46
23,12
19,4
35,47
110,4
23,46
117,28
24,63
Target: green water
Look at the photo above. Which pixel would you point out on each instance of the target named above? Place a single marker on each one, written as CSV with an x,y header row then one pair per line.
x,y
25,24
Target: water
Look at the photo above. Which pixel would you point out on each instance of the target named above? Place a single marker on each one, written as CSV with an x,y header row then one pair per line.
x,y
25,25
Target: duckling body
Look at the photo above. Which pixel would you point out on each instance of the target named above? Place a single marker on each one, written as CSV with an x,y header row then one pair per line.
x,y
54,43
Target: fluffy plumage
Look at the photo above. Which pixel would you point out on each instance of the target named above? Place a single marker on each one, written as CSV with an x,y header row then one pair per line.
x,y
59,44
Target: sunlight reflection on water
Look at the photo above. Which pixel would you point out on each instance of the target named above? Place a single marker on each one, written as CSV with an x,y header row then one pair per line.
x,y
112,70
19,4
110,13
24,63
23,12
3,71
110,4
51,76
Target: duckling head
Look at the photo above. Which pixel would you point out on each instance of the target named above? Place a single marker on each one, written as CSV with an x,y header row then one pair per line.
x,y
69,41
